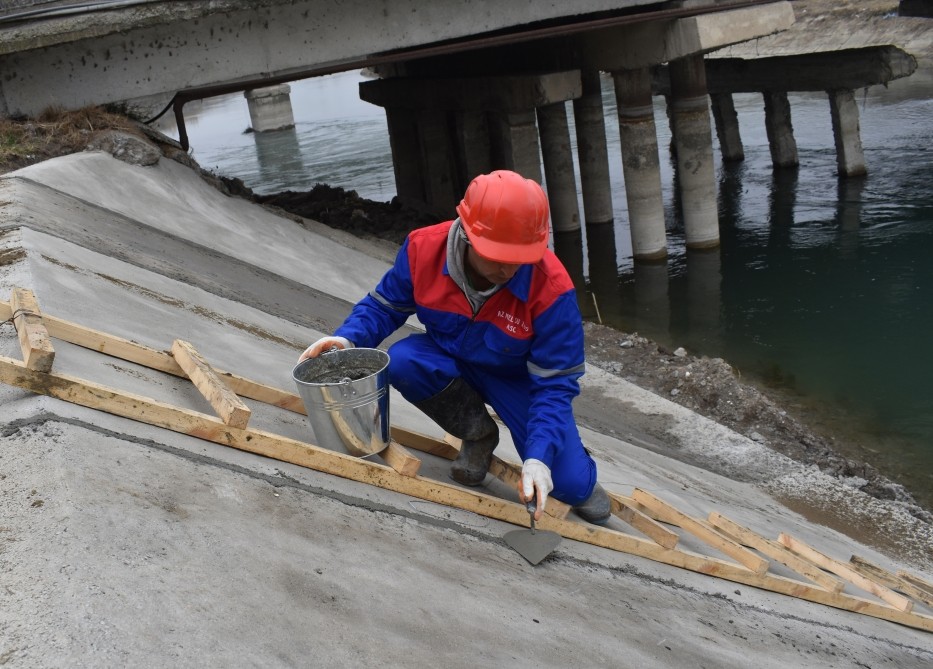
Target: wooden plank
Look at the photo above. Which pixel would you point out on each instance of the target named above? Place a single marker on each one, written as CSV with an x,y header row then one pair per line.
x,y
510,473
162,361
889,579
263,393
916,581
184,421
776,552
228,406
625,509
34,340
112,345
703,531
398,458
842,570
424,443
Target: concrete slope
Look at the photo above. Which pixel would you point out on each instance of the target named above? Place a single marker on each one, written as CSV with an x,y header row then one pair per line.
x,y
122,544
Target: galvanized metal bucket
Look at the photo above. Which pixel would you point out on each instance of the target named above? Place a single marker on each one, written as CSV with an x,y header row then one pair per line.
x,y
346,395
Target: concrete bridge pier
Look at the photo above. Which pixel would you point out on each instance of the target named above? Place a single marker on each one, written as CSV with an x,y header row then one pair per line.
x,y
405,145
780,129
514,142
850,158
270,108
694,146
727,127
595,183
561,185
640,164
445,131
441,188
472,144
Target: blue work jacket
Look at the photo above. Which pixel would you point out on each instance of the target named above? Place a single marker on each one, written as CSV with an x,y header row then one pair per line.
x,y
531,326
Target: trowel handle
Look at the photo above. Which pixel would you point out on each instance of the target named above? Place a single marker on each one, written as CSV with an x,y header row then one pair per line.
x,y
531,505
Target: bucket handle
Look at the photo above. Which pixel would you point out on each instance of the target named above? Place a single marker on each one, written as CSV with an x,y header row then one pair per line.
x,y
344,382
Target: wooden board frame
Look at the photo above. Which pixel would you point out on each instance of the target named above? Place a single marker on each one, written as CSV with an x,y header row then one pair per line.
x,y
210,428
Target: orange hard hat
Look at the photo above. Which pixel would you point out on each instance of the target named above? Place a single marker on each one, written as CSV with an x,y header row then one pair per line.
x,y
505,217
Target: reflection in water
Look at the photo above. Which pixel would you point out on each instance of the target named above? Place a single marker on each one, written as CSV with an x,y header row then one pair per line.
x,y
604,276
782,201
276,151
652,297
849,215
704,296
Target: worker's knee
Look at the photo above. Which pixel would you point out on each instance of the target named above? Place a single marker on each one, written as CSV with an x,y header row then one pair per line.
x,y
418,368
574,475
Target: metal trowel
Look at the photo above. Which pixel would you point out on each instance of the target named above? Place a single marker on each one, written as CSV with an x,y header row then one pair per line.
x,y
534,545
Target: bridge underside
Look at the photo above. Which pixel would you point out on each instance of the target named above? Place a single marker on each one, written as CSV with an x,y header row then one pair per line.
x,y
151,49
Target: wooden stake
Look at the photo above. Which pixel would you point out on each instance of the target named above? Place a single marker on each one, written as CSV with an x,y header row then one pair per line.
x,y
38,353
225,402
844,571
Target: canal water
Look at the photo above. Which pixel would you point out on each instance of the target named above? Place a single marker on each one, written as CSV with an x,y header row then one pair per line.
x,y
822,288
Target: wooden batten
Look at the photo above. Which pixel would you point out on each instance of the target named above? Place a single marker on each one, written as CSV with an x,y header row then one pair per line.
x,y
776,552
34,341
184,421
842,570
891,580
398,458
627,509
228,406
700,529
917,582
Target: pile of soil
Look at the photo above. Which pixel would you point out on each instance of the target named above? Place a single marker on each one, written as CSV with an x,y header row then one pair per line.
x,y
345,210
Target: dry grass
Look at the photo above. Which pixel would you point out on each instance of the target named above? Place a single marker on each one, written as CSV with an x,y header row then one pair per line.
x,y
55,133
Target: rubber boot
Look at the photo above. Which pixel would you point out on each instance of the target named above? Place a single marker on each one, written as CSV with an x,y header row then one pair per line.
x,y
460,410
596,508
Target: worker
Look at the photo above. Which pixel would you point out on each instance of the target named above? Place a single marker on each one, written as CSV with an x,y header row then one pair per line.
x,y
502,327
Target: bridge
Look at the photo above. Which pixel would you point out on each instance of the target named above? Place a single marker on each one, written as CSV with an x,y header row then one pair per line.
x,y
467,87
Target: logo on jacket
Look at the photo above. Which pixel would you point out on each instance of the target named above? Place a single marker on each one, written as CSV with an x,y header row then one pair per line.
x,y
514,323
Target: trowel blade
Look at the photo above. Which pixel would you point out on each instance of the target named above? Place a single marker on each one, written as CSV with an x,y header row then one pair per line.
x,y
533,546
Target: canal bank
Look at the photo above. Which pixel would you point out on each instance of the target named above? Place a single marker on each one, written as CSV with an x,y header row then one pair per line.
x,y
121,537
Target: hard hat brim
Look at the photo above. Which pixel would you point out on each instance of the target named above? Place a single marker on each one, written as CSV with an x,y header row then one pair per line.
x,y
510,254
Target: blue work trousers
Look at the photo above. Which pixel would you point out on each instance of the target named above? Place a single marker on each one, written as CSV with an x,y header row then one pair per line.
x,y
419,369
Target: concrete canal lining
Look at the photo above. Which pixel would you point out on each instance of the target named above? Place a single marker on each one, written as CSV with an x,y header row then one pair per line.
x,y
132,545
